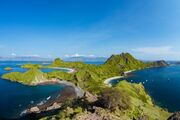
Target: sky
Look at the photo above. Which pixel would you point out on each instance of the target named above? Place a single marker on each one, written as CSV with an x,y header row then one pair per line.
x,y
148,29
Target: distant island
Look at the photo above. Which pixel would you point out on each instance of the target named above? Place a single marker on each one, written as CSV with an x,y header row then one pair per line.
x,y
8,68
122,101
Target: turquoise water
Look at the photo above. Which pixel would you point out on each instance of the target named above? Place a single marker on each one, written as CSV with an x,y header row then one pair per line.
x,y
163,85
16,97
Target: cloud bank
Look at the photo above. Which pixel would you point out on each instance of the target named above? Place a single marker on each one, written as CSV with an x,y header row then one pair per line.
x,y
162,52
79,55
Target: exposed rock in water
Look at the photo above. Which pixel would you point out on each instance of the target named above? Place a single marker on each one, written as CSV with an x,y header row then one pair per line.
x,y
175,116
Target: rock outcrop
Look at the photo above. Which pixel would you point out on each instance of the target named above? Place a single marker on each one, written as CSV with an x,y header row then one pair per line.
x,y
69,93
90,98
175,116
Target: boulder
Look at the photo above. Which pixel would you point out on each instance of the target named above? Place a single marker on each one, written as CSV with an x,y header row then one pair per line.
x,y
89,97
175,116
34,109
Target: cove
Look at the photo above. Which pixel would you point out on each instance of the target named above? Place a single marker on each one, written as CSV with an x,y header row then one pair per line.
x,y
162,84
15,97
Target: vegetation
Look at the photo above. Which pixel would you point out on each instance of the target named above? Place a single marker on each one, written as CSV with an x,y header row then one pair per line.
x,y
112,98
29,66
8,68
30,77
123,101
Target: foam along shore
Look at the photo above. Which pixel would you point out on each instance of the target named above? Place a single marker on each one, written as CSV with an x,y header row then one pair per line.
x,y
70,70
108,81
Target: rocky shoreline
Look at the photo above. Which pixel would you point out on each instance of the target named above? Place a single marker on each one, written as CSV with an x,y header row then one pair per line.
x,y
70,92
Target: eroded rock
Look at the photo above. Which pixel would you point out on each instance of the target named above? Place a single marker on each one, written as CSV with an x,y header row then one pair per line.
x,y
175,116
90,97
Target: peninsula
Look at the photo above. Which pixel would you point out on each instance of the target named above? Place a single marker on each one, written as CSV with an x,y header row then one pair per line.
x,y
123,101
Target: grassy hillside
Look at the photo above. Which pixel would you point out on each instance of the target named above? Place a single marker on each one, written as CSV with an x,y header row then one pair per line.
x,y
88,77
124,101
32,76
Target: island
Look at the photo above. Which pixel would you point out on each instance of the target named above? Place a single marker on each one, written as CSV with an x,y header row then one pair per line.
x,y
8,68
124,100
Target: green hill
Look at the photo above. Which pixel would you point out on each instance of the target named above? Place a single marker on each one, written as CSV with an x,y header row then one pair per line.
x,y
125,61
57,62
32,76
124,101
118,64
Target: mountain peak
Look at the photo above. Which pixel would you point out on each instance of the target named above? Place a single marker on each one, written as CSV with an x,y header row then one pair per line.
x,y
124,61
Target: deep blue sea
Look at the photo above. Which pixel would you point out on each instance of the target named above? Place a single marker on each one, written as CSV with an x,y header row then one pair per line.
x,y
162,84
15,97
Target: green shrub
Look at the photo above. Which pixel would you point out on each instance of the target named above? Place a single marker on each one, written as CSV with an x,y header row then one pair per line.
x,y
112,98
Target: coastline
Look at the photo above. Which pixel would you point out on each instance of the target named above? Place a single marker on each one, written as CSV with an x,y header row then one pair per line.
x,y
69,92
70,70
108,80
129,71
78,90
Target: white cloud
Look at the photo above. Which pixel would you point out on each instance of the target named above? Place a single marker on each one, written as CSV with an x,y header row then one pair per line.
x,y
33,55
157,53
13,54
30,55
163,50
79,55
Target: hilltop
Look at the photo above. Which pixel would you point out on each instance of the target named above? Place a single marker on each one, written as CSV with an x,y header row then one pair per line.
x,y
32,76
86,75
122,101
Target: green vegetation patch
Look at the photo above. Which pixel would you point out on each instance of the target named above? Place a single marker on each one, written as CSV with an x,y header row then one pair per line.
x,y
8,68
32,76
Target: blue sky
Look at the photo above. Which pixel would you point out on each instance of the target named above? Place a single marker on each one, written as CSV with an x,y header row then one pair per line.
x,y
149,29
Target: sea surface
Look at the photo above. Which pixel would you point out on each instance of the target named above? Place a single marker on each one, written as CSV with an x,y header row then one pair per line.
x,y
162,84
15,97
